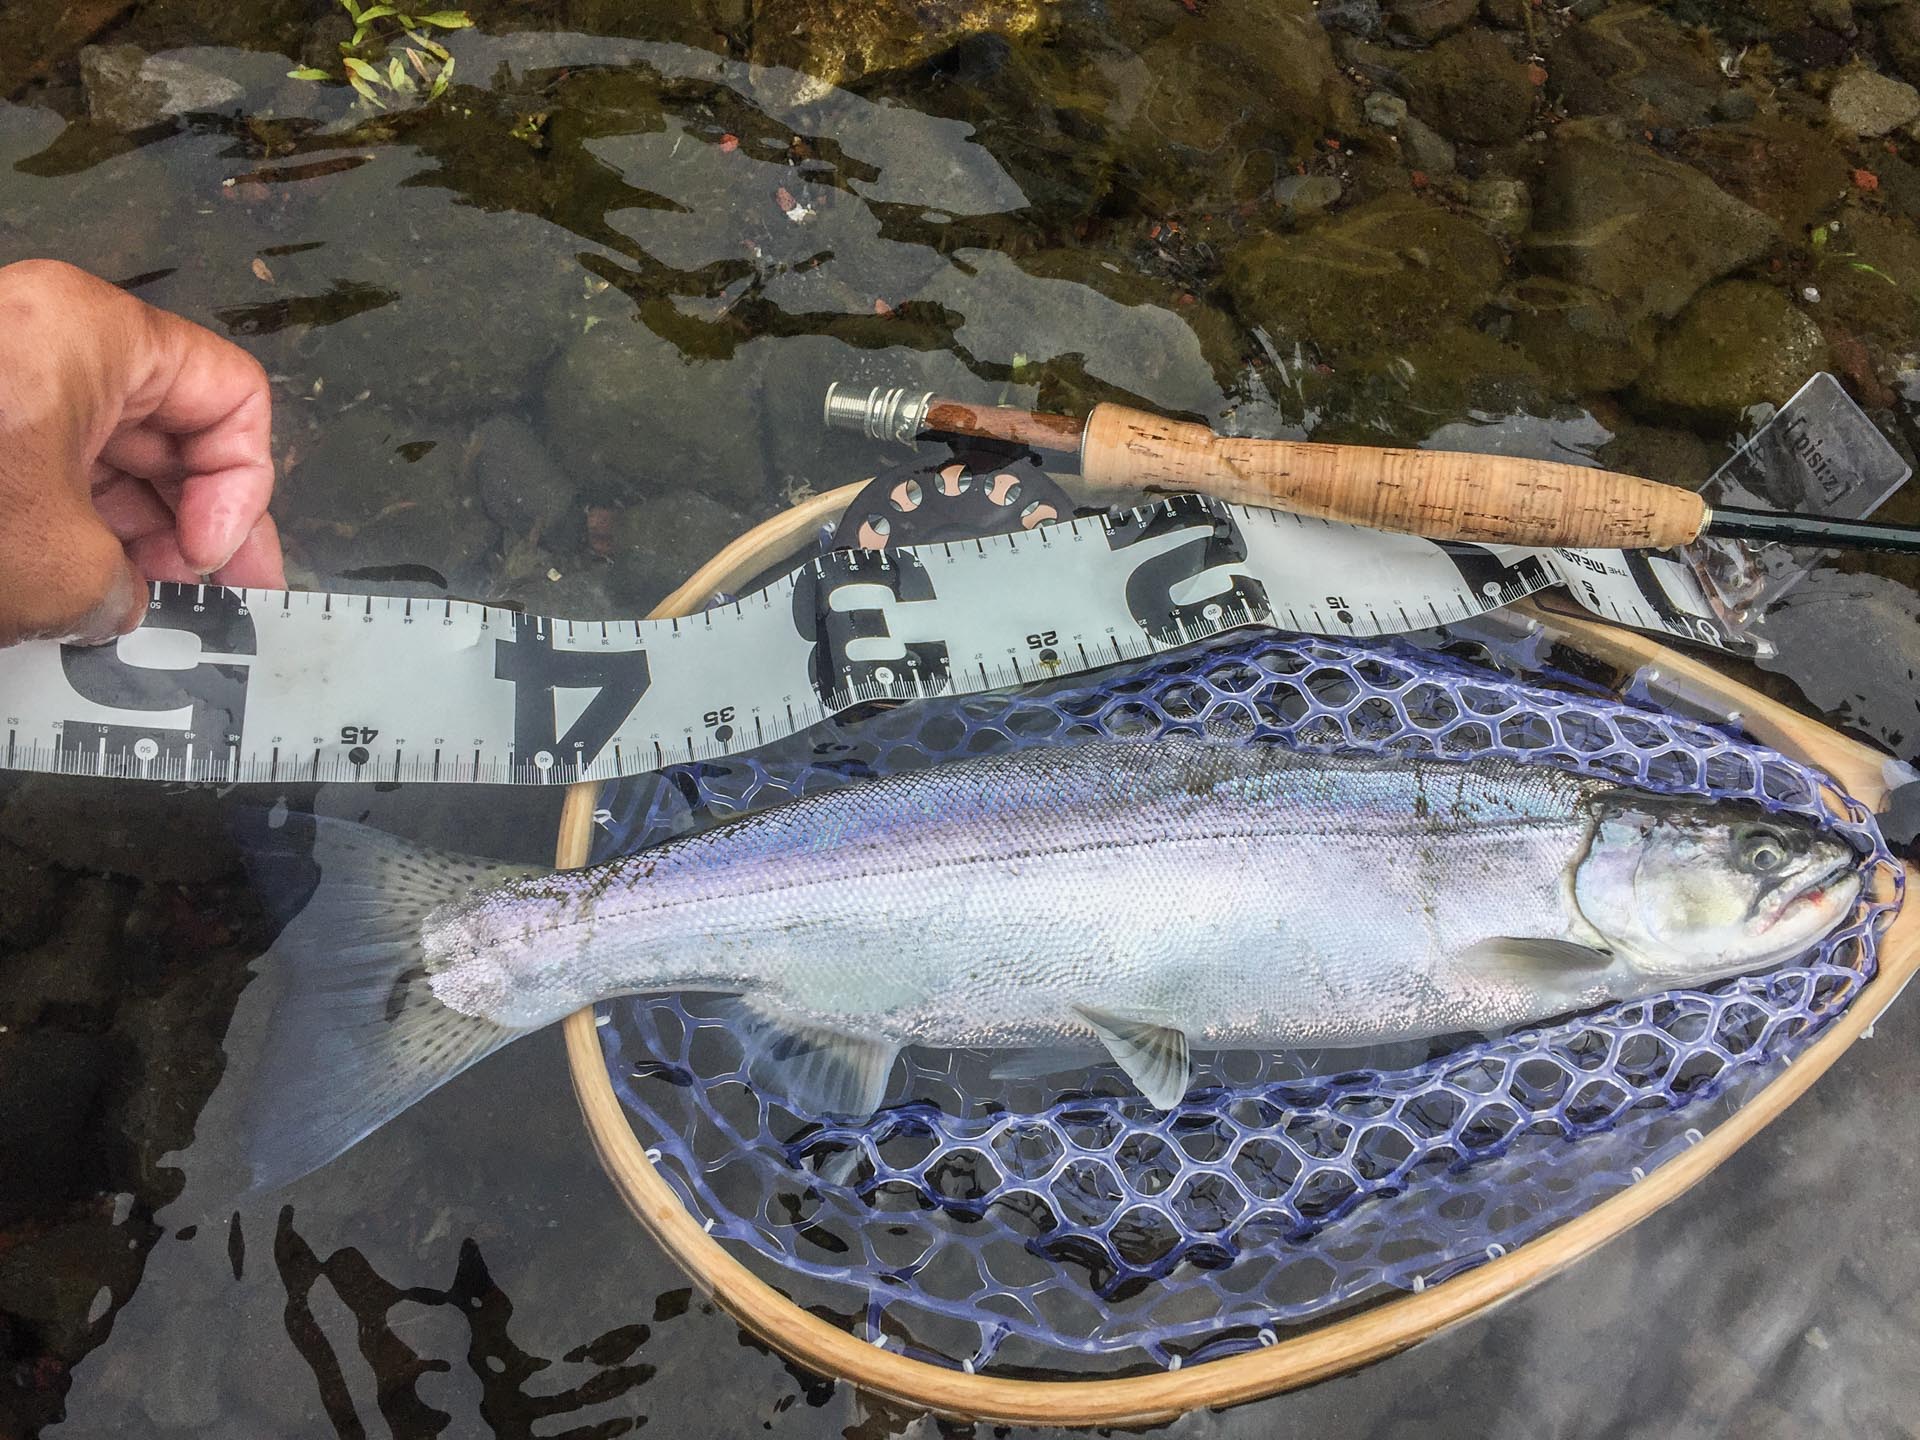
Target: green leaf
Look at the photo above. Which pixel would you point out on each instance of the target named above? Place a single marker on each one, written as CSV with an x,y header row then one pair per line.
x,y
366,90
352,9
1876,270
365,71
359,39
432,47
1818,238
376,12
308,72
398,78
447,19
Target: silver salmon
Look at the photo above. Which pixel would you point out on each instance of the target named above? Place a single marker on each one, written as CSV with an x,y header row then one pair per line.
x,y
1148,899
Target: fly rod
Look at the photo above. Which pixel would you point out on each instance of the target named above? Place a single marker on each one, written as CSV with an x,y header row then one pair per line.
x,y
1440,494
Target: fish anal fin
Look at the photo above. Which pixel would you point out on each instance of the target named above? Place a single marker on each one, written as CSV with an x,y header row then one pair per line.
x,y
1154,1054
819,1070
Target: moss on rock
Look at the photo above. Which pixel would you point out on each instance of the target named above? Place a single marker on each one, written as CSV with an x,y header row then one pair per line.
x,y
1379,276
1740,343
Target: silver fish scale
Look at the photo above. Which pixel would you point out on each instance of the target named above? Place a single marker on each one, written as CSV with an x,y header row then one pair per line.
x,y
1206,887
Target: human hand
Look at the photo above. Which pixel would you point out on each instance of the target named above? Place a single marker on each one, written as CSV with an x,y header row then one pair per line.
x,y
134,446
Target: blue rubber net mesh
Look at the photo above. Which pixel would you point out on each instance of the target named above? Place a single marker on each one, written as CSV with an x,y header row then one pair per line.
x,y
1064,1226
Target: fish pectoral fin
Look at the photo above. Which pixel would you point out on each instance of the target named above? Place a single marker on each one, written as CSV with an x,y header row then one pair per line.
x,y
820,1070
1154,1055
1508,954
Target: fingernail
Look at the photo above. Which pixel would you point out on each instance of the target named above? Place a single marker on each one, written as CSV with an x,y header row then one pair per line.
x,y
229,534
117,614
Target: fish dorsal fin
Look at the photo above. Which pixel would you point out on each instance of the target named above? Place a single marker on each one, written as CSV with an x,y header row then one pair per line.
x,y
1153,1055
1521,956
820,1070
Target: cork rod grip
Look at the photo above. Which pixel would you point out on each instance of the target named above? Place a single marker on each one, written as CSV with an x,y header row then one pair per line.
x,y
1441,494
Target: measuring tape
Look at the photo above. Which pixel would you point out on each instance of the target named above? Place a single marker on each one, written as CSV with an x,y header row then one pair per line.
x,y
236,686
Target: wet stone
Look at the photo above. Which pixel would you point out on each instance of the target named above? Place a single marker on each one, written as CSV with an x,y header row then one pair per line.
x,y
128,89
1739,343
48,1081
1421,22
1233,95
521,489
1504,206
1426,149
840,41
1301,196
1634,61
1869,103
1356,17
1375,275
1385,109
630,413
1648,231
1470,87
1900,32
1575,334
658,542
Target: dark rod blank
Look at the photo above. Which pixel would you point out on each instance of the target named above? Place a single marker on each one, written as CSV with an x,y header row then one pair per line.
x,y
1770,527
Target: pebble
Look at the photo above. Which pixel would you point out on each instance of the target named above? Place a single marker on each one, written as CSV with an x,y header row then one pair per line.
x,y
1504,205
1869,103
1299,196
1425,149
1386,110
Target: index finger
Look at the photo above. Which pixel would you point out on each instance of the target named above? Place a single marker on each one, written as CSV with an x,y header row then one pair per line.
x,y
213,397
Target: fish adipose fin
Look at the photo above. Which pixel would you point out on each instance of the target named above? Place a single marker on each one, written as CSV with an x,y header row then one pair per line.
x,y
1153,1055
357,1035
820,1071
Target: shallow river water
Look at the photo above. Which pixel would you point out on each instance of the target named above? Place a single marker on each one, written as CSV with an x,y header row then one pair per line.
x,y
556,337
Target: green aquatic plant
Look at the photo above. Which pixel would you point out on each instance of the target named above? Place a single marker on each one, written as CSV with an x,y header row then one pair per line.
x,y
368,59
1820,238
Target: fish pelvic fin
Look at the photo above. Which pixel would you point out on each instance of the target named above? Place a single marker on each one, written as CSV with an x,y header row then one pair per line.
x,y
1155,1056
357,1034
817,1069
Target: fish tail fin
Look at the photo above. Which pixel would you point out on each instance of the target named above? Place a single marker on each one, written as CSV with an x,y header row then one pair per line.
x,y
357,1034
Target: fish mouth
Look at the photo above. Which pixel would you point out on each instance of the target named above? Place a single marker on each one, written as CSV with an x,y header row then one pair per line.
x,y
1833,886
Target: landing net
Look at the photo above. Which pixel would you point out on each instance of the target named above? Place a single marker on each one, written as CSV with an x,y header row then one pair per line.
x,y
1064,1225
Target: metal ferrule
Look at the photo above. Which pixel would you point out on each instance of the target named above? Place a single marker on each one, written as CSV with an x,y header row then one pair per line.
x,y
879,414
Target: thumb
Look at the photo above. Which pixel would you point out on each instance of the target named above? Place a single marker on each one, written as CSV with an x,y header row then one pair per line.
x,y
67,578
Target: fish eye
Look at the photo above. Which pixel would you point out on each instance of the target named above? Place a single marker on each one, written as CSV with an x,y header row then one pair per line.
x,y
1761,850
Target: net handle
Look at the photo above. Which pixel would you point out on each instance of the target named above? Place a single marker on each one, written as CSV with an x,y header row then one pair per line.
x,y
826,1349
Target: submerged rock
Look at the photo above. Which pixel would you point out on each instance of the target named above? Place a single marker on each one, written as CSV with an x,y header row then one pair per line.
x,y
631,414
1790,170
1633,61
1639,227
658,543
1900,30
1869,103
1740,343
1372,278
1426,149
1503,206
839,41
1577,336
130,89
1385,109
1421,22
1302,196
1231,98
1470,87
521,489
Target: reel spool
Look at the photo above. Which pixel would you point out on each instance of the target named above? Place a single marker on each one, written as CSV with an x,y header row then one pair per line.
x,y
1294,1359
